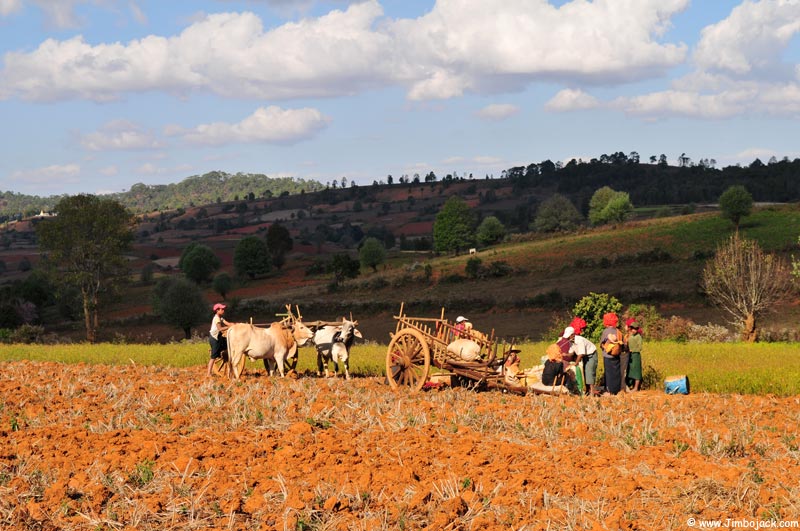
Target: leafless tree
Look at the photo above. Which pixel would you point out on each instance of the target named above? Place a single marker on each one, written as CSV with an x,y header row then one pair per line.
x,y
746,282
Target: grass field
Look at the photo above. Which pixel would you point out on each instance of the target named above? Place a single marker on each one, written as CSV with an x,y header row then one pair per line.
x,y
763,368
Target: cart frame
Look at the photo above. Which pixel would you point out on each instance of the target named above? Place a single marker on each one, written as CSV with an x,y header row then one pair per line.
x,y
420,342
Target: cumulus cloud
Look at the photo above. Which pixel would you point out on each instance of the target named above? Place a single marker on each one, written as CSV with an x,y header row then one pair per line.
x,y
738,69
228,53
272,125
497,111
460,46
479,46
49,175
120,135
571,100
7,7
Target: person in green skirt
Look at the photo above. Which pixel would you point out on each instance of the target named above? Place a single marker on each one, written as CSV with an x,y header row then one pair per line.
x,y
634,342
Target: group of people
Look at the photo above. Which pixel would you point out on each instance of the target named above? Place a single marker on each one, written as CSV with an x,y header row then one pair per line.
x,y
621,353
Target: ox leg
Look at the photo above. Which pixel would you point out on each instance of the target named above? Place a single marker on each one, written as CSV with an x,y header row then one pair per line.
x,y
279,361
319,364
346,368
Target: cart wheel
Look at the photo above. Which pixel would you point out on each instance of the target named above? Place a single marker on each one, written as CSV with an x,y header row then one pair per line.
x,y
408,360
221,366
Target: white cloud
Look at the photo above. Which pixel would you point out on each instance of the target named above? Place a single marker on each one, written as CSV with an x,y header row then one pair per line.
x,y
148,168
479,46
120,135
571,100
751,154
51,175
137,12
227,53
487,160
738,69
460,46
9,7
109,171
497,111
271,125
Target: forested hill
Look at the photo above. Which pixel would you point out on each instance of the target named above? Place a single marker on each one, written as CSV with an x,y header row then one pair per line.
x,y
204,189
656,183
213,187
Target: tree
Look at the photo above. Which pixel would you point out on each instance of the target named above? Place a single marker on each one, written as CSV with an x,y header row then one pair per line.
x,y
222,284
199,263
735,203
591,309
344,267
251,257
609,206
746,282
490,231
86,242
179,302
372,253
557,213
279,242
454,226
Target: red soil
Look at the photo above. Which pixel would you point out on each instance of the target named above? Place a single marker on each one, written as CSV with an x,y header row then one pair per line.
x,y
131,447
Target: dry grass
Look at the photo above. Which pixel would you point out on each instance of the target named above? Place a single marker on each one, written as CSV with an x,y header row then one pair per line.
x,y
196,453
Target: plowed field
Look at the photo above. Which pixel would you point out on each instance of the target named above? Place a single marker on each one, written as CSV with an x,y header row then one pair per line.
x,y
133,447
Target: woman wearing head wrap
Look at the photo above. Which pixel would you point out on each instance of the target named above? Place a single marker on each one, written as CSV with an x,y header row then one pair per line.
x,y
611,346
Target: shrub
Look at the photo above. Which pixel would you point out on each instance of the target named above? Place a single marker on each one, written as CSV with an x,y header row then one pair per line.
x,y
473,268
28,334
710,333
591,308
499,268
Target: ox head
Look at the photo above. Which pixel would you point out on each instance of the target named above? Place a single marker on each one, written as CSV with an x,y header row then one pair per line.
x,y
301,333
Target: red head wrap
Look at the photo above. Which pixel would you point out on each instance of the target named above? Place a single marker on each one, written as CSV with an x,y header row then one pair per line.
x,y
610,319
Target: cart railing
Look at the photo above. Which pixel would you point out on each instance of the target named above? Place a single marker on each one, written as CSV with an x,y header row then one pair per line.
x,y
440,332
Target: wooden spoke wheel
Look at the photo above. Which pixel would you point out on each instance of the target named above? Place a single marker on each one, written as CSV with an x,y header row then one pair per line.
x,y
408,360
221,366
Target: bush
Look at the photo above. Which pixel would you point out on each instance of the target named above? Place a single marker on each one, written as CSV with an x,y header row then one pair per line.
x,y
499,269
709,333
473,268
28,334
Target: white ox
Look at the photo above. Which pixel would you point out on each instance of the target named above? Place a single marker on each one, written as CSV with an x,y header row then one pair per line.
x,y
275,344
333,344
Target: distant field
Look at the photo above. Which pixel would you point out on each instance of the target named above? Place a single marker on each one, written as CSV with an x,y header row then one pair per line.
x,y
760,369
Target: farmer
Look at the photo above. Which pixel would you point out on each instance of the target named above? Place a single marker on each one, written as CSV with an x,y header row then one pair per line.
x,y
215,336
460,328
564,345
634,341
554,372
586,354
611,346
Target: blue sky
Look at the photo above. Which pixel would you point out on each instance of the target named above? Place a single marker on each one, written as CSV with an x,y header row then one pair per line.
x,y
97,95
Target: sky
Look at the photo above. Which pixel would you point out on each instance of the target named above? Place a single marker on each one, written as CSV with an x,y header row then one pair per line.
x,y
98,95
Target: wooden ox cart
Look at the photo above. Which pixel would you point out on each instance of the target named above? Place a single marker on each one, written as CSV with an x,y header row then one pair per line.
x,y
420,343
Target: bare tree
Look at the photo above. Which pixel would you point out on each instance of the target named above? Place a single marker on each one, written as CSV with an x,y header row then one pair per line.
x,y
746,282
